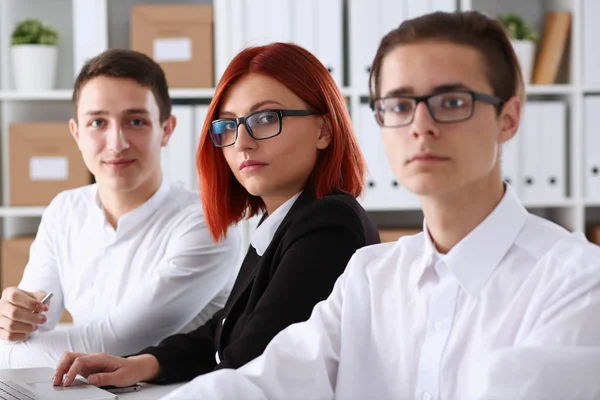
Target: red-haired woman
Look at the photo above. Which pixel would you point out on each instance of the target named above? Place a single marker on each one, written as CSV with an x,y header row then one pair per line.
x,y
278,138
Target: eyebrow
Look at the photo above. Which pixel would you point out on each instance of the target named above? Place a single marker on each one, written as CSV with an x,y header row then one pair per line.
x,y
408,91
255,107
129,111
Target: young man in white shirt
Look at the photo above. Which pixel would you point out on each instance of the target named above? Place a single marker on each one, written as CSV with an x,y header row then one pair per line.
x,y
490,302
130,257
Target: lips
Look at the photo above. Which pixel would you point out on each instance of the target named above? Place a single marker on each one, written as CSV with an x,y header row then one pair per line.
x,y
427,157
251,165
118,163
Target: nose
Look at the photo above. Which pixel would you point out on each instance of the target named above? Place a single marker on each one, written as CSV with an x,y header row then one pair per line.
x,y
116,140
244,141
423,123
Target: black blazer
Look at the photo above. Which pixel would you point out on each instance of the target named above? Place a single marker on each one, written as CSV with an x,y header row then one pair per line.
x,y
309,251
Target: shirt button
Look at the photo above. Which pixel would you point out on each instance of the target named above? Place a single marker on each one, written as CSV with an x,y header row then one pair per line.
x,y
438,325
217,358
223,322
427,396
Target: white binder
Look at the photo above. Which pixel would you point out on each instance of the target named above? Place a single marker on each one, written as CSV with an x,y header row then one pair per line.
x,y
364,36
417,8
328,36
553,150
592,148
591,51
369,136
510,162
90,31
531,166
316,25
442,5
177,157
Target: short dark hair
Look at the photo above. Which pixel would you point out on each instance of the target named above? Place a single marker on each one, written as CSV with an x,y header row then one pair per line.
x,y
127,64
470,28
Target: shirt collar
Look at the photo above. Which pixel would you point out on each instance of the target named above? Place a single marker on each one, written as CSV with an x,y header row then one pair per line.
x,y
263,234
141,213
473,260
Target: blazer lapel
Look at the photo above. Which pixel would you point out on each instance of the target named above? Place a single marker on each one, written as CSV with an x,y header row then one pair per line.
x,y
305,198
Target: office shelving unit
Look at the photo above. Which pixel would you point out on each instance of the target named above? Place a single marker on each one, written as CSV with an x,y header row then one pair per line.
x,y
573,211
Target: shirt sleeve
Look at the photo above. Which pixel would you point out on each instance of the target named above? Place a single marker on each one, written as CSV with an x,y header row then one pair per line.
x,y
193,272
301,362
558,355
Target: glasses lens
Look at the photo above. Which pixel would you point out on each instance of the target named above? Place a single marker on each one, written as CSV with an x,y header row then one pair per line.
x,y
394,111
452,106
264,124
222,132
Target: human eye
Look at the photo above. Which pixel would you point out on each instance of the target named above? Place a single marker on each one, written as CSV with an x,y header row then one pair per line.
x,y
399,106
137,122
96,123
453,100
266,118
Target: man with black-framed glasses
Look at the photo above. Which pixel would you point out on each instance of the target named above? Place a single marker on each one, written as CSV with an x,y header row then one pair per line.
x,y
490,302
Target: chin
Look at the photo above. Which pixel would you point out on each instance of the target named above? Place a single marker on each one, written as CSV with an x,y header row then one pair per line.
x,y
428,185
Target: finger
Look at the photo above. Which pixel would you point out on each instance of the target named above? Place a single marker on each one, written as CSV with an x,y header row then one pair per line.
x,y
24,299
76,367
17,327
63,366
19,314
11,336
107,378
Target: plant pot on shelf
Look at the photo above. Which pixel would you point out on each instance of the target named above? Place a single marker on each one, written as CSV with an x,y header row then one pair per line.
x,y
525,50
34,66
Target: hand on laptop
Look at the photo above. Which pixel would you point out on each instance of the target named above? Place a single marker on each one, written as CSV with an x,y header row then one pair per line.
x,y
20,313
103,369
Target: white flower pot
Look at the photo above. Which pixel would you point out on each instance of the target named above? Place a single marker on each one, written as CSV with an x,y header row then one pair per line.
x,y
34,66
525,50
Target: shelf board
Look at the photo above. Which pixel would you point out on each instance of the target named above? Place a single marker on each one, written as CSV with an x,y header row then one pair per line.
x,y
59,94
65,94
559,203
592,90
21,211
592,203
549,89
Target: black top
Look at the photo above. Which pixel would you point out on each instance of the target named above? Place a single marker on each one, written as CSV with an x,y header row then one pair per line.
x,y
309,251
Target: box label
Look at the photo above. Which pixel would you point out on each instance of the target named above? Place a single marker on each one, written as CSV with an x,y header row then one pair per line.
x,y
48,168
172,49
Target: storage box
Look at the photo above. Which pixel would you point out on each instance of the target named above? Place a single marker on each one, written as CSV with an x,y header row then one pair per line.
x,y
593,234
43,160
179,38
15,255
391,235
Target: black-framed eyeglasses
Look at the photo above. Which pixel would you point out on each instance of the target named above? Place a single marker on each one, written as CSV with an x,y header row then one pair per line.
x,y
261,125
444,107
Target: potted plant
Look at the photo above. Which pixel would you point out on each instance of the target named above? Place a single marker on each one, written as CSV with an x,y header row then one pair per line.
x,y
34,53
523,39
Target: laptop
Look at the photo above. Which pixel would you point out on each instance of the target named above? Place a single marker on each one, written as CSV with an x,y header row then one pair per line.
x,y
36,384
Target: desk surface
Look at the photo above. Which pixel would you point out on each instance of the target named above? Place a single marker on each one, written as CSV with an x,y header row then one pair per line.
x,y
150,392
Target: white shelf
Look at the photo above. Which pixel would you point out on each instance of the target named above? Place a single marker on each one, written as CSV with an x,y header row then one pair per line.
x,y
592,203
60,94
21,211
591,90
66,94
549,89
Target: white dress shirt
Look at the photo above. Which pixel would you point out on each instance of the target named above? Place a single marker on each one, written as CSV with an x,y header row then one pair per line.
x,y
158,273
511,312
263,235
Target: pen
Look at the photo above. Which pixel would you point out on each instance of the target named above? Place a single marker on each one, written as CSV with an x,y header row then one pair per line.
x,y
46,299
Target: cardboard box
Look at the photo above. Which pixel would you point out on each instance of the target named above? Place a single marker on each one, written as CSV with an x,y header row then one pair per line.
x,y
15,255
43,161
179,38
391,235
593,234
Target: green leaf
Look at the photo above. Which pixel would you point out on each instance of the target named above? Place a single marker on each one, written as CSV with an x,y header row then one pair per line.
x,y
34,31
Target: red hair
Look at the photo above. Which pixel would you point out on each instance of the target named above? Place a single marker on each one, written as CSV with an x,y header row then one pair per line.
x,y
340,166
